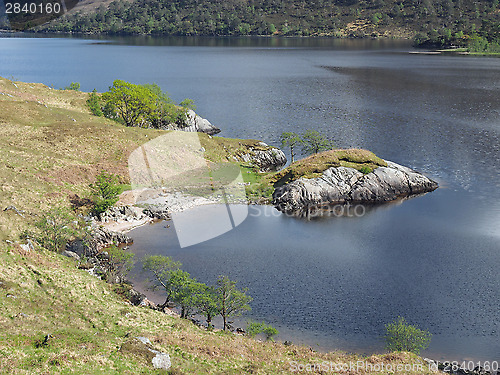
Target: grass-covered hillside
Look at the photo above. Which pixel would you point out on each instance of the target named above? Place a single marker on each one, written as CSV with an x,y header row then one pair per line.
x,y
58,319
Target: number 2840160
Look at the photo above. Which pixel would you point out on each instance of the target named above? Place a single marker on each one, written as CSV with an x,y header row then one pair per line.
x,y
33,8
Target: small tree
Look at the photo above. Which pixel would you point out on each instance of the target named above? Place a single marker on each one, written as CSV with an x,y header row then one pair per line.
x,y
161,268
120,263
230,300
104,192
94,103
290,139
55,229
314,142
183,291
74,86
206,303
254,328
401,336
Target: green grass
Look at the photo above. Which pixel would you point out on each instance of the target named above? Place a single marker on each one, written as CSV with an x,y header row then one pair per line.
x,y
314,165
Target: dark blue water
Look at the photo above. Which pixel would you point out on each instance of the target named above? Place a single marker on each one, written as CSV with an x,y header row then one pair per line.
x,y
333,282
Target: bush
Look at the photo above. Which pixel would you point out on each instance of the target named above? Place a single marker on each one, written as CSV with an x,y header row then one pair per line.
x,y
75,86
55,229
94,103
254,328
401,336
105,192
365,169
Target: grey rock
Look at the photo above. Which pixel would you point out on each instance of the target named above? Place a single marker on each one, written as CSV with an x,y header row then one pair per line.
x,y
142,348
342,184
265,157
71,254
195,123
158,211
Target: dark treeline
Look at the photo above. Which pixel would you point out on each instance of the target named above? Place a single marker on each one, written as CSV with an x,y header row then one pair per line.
x,y
437,22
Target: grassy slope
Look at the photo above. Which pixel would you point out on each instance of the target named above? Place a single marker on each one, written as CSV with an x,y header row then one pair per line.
x,y
45,157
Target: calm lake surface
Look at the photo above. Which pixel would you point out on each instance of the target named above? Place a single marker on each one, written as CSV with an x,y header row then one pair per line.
x,y
334,282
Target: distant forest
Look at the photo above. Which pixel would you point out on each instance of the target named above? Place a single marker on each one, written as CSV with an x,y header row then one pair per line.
x,y
431,22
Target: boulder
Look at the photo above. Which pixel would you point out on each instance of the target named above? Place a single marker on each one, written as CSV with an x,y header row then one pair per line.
x,y
342,184
195,123
265,157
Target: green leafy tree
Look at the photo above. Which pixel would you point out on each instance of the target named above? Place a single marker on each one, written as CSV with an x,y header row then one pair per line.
x,y
314,142
55,229
129,102
231,301
161,268
74,86
401,336
291,140
94,103
183,291
254,328
104,192
120,263
206,303
188,103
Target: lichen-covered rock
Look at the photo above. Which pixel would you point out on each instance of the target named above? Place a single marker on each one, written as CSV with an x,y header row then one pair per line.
x,y
265,157
343,184
195,123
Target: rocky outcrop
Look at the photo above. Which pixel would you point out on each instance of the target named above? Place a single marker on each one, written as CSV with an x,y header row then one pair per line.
x,y
343,184
195,123
263,156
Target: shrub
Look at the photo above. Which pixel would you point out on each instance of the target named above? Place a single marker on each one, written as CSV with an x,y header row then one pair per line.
x,y
55,229
365,169
75,86
105,191
401,336
254,328
94,103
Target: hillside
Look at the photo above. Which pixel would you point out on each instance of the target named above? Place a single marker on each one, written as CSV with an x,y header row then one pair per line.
x,y
56,318
341,18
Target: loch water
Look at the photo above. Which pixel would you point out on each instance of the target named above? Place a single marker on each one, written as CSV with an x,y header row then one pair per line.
x,y
332,282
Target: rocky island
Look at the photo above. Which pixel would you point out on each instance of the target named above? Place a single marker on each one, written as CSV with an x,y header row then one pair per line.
x,y
346,176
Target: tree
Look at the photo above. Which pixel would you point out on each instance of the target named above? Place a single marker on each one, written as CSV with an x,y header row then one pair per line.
x,y
132,103
120,263
401,336
183,291
74,86
314,142
94,103
161,267
230,300
104,192
254,328
206,303
290,139
55,229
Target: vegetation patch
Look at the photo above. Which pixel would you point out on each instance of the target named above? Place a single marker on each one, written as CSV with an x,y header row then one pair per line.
x,y
314,165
